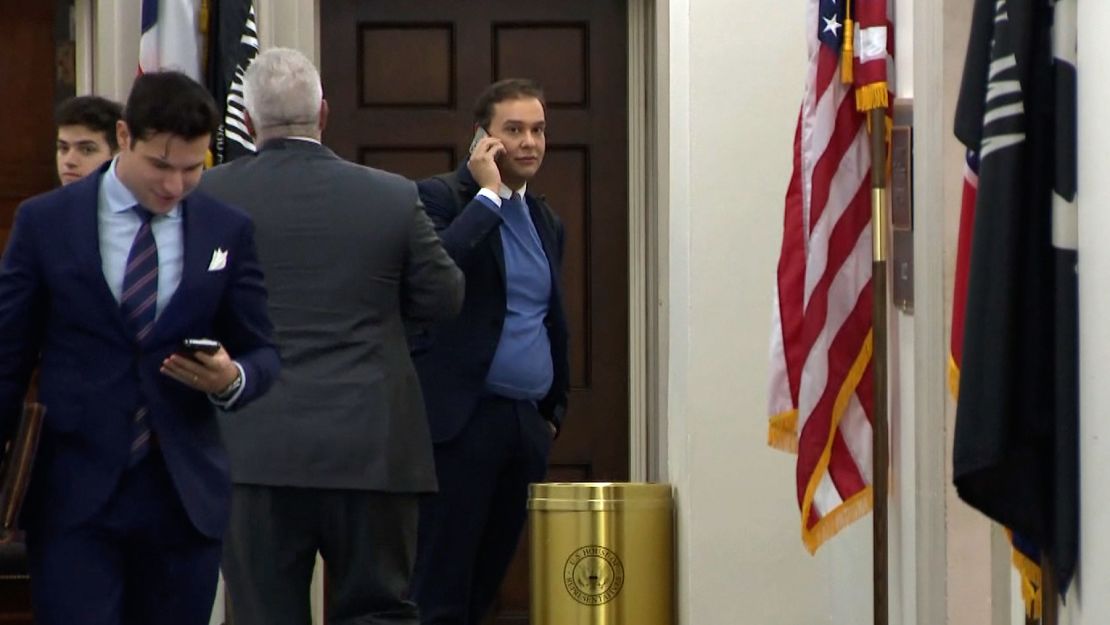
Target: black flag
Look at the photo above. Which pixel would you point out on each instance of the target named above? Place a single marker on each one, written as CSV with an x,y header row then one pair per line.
x,y
1016,447
232,45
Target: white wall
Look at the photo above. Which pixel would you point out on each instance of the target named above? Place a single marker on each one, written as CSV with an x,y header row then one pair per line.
x,y
116,54
290,24
903,493
736,75
1088,602
969,532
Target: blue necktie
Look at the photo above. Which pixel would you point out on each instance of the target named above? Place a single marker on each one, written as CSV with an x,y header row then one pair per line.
x,y
139,303
515,213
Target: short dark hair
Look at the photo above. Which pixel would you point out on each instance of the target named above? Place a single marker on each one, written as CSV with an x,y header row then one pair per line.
x,y
508,89
93,112
170,102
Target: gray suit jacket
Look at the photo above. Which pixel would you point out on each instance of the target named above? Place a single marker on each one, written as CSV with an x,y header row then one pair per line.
x,y
349,257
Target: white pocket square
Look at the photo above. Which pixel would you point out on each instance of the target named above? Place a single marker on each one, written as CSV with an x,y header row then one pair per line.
x,y
219,260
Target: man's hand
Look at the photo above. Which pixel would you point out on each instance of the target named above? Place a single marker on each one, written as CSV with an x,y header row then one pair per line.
x,y
483,163
208,373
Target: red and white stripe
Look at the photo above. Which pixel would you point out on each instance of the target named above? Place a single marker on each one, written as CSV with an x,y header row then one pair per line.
x,y
820,388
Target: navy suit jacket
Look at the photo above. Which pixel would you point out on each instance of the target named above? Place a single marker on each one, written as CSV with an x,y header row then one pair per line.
x,y
57,312
453,358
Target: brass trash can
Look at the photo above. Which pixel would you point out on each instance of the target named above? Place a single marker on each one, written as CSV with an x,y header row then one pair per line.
x,y
602,553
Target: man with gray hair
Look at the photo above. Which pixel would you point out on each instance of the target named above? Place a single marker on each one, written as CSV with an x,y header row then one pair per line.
x,y
336,457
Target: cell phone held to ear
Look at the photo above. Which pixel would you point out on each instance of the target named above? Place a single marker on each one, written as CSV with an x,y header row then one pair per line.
x,y
479,134
189,347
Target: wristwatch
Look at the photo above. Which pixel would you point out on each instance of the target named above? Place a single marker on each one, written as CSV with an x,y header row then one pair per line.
x,y
232,388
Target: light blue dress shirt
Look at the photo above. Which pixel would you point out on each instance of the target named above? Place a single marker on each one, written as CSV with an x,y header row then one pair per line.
x,y
117,225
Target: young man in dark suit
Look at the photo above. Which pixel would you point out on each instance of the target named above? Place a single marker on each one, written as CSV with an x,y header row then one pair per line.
x,y
86,135
333,460
494,378
101,282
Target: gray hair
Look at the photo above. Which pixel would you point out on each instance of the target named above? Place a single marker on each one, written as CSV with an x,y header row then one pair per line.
x,y
283,94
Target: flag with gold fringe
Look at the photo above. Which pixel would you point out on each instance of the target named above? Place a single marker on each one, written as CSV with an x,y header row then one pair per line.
x,y
1026,556
820,397
1015,455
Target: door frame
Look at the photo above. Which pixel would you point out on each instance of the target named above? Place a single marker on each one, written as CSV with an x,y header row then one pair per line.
x,y
296,24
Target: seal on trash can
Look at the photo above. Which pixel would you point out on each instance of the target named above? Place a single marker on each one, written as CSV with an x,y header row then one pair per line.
x,y
593,575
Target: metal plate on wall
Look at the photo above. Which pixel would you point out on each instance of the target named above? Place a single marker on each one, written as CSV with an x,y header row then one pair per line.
x,y
901,205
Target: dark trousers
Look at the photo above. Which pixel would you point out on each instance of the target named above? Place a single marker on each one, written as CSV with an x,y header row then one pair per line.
x,y
139,561
367,540
469,530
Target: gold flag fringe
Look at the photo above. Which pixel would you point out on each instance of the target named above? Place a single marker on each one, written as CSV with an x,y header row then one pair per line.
x,y
872,96
953,377
846,54
782,433
853,507
1030,573
1028,570
856,507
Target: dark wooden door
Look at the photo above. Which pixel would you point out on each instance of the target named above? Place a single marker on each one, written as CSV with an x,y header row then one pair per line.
x,y
28,71
401,76
36,70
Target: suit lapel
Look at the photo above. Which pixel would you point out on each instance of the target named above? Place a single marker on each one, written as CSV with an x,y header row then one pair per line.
x,y
539,218
194,263
540,222
497,247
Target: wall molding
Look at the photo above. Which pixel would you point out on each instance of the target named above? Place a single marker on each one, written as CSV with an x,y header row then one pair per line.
x,y
929,389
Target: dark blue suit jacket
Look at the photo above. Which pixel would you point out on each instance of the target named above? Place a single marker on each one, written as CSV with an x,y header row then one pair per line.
x,y
57,311
453,357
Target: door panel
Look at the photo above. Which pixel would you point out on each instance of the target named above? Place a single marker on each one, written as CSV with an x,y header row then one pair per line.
x,y
417,66
27,71
36,71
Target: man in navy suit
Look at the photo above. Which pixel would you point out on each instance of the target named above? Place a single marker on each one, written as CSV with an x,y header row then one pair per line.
x,y
86,135
494,378
100,283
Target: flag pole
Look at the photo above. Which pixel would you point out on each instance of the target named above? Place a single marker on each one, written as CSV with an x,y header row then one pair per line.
x,y
879,427
1049,591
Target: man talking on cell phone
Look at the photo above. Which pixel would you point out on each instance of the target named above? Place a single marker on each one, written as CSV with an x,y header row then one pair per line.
x,y
101,282
494,378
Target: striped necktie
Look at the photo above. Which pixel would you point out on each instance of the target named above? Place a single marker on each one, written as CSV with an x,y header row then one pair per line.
x,y
138,302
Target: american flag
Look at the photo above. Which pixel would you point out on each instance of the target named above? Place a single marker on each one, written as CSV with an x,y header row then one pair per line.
x,y
169,39
821,344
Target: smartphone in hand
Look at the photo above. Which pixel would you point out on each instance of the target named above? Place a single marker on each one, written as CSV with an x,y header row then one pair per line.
x,y
479,134
189,347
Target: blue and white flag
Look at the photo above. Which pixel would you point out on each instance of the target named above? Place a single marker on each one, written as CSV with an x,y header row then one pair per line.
x,y
170,37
